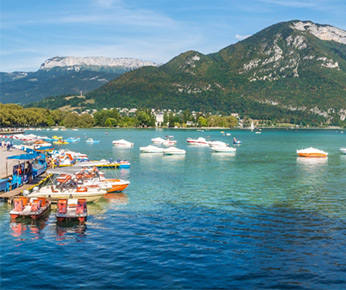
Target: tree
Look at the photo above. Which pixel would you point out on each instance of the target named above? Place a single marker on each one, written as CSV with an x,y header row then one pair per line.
x,y
86,121
202,122
71,120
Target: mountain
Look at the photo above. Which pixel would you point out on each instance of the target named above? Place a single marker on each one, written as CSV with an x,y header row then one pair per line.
x,y
64,75
297,67
291,71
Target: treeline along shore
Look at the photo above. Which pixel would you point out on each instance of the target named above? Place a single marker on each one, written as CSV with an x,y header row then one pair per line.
x,y
15,116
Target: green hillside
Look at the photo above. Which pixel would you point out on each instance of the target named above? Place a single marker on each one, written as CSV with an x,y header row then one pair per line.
x,y
283,71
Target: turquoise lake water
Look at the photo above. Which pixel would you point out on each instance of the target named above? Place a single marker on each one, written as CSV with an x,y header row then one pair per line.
x,y
262,218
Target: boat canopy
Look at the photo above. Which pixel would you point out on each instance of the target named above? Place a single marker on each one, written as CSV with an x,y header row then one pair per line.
x,y
24,156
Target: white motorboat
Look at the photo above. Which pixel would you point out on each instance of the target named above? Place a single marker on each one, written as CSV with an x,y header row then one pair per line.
x,y
311,152
223,149
200,141
54,193
169,142
151,149
216,143
122,143
111,185
173,151
158,140
343,150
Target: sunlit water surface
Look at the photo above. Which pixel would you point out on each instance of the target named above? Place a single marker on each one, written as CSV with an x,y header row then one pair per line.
x,y
261,218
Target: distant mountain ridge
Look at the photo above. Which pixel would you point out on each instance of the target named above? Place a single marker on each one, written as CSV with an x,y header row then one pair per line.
x,y
64,75
68,61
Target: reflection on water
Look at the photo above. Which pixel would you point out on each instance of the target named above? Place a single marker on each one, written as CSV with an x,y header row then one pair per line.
x,y
69,230
311,162
26,226
174,157
222,154
150,155
118,198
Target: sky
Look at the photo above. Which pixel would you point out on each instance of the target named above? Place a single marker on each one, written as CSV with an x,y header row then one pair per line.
x,y
33,31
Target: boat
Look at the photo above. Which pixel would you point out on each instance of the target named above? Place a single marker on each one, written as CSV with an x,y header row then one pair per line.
x,y
72,140
33,208
122,143
151,149
223,149
235,141
65,191
158,140
252,127
200,141
173,151
60,142
216,143
92,141
311,152
343,150
169,142
71,209
110,185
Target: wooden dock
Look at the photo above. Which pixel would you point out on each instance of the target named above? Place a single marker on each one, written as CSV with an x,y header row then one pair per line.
x,y
28,186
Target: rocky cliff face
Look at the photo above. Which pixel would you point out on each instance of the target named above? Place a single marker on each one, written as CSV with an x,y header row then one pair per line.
x,y
78,62
323,32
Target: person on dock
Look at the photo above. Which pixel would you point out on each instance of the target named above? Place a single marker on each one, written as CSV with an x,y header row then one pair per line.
x,y
29,171
8,145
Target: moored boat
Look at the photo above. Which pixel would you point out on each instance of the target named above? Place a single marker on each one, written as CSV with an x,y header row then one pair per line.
x,y
158,140
151,149
169,142
33,208
343,150
223,149
312,152
173,151
54,193
122,143
71,209
200,141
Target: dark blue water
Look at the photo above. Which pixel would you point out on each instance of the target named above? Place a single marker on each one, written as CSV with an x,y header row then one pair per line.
x,y
260,219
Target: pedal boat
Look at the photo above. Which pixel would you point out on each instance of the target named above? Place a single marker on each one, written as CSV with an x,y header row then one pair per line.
x,y
33,208
72,209
312,152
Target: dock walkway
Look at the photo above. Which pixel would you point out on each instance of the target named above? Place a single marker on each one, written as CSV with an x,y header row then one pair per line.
x,y
28,186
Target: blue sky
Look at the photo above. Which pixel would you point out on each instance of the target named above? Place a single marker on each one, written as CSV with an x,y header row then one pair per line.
x,y
156,30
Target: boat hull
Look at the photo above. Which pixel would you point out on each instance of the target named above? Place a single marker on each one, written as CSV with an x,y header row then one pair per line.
x,y
312,155
55,196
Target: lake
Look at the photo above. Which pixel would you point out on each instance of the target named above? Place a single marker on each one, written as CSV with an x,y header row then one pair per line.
x,y
262,218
